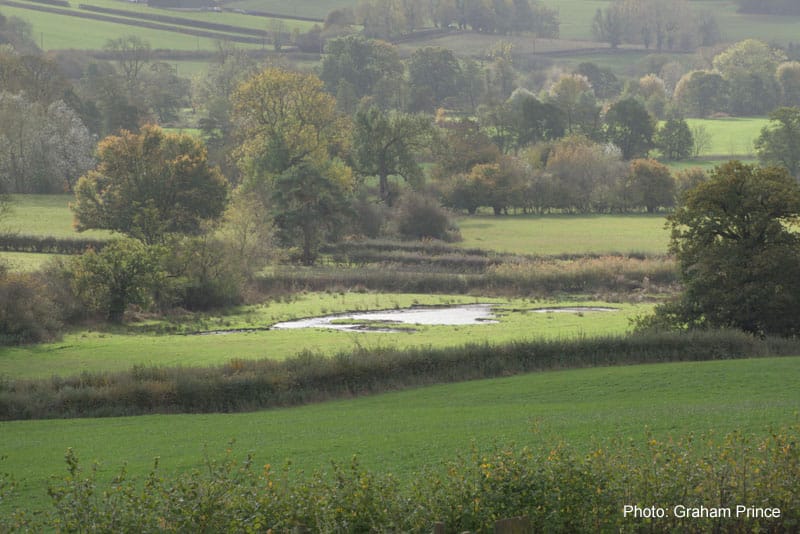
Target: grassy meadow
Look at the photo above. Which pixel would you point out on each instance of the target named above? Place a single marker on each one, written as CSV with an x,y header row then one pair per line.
x,y
23,261
405,432
44,215
576,20
56,31
299,8
732,136
143,344
566,234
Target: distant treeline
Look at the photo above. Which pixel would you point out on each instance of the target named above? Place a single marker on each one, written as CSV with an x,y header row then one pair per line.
x,y
770,7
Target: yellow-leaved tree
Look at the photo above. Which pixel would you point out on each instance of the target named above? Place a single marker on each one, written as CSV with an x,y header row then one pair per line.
x,y
284,118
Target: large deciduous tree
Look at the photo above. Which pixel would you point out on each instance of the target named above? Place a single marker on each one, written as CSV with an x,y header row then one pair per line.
x,y
123,273
650,185
749,67
574,96
701,93
739,258
149,184
387,143
630,127
779,141
363,63
132,54
43,149
434,75
310,206
283,118
674,139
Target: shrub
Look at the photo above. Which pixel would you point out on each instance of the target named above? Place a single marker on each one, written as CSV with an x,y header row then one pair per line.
x,y
124,272
555,488
206,273
420,217
27,314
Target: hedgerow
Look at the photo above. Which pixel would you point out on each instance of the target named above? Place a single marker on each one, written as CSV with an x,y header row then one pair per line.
x,y
243,385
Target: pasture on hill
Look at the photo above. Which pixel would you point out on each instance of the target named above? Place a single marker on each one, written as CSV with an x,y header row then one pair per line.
x,y
576,20
405,432
57,28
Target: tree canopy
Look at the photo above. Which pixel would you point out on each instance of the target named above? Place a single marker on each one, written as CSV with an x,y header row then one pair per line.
x,y
630,127
149,184
283,118
387,143
738,257
779,141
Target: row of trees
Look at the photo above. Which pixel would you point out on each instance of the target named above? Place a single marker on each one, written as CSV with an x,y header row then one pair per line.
x,y
673,25
573,174
748,78
387,19
123,92
769,7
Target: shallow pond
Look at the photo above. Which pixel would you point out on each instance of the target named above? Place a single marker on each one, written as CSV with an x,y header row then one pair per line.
x,y
382,321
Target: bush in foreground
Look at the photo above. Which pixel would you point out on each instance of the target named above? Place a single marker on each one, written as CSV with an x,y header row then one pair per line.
x,y
556,489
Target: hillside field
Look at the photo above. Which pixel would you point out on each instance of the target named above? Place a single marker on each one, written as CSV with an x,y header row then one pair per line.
x,y
405,432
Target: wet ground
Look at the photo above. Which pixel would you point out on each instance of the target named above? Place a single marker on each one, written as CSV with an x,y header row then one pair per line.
x,y
383,321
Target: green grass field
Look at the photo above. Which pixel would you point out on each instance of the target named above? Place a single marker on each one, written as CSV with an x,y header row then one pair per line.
x,y
542,235
24,262
565,234
117,351
45,215
298,8
57,32
732,136
233,19
53,31
407,431
576,20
